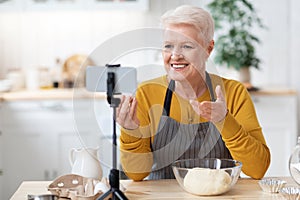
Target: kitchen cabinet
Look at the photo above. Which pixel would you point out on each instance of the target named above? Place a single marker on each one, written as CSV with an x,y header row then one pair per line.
x,y
277,115
35,5
37,137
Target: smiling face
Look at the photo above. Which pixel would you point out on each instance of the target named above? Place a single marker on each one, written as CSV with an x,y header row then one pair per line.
x,y
184,53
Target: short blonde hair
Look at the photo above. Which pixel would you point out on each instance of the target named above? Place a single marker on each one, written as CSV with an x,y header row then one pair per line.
x,y
195,16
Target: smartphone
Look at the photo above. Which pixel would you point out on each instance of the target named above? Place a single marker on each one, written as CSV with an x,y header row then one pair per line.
x,y
125,79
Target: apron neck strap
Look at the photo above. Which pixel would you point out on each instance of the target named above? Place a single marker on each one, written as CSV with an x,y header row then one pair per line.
x,y
171,88
210,87
168,98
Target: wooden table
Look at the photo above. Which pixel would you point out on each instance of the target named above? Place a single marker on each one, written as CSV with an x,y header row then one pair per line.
x,y
166,189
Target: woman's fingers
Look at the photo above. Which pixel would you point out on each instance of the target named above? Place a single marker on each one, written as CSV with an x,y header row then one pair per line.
x,y
120,105
133,114
212,111
133,106
124,109
195,105
126,113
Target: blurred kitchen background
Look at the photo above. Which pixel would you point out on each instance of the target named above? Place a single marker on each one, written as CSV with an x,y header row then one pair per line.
x,y
43,44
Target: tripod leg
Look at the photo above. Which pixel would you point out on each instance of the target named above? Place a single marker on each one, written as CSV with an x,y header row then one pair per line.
x,y
119,194
106,196
113,194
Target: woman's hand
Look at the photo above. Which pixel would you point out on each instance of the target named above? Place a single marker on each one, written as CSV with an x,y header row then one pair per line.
x,y
212,111
126,113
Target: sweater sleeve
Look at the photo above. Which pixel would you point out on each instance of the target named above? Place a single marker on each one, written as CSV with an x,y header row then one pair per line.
x,y
136,155
243,135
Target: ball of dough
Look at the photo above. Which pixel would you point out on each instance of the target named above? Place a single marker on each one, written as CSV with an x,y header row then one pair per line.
x,y
202,181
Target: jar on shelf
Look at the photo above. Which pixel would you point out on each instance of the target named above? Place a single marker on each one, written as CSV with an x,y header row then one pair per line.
x,y
45,81
294,162
16,78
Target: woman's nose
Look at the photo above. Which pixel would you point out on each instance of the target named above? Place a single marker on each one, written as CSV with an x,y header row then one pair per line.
x,y
176,54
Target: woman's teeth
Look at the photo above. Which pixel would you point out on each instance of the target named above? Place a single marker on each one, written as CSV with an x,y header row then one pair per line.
x,y
178,66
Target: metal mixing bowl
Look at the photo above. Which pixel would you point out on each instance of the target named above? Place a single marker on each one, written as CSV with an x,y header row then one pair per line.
x,y
42,197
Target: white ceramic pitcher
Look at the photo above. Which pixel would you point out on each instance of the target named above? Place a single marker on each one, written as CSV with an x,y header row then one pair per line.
x,y
84,162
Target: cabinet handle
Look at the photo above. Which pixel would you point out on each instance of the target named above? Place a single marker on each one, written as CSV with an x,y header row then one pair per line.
x,y
54,174
54,106
1,172
46,175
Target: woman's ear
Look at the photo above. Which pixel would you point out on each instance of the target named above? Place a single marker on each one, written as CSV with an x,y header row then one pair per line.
x,y
210,46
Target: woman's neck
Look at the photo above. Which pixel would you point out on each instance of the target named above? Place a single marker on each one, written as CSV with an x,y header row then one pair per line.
x,y
192,89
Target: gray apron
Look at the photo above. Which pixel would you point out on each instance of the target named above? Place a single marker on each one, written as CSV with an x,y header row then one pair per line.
x,y
175,141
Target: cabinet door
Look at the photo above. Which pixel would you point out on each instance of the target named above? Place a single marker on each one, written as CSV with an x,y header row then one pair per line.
x,y
39,135
22,160
1,162
1,152
93,123
30,150
278,118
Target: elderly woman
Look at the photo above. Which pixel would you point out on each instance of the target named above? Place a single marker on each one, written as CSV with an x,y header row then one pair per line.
x,y
189,113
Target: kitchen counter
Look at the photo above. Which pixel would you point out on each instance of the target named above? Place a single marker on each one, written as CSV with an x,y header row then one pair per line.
x,y
50,94
245,188
64,94
274,91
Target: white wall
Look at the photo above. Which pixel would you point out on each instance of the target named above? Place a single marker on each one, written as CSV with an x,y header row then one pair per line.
x,y
32,39
36,38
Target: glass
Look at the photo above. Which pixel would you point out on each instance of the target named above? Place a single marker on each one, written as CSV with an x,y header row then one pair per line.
x,y
207,176
294,162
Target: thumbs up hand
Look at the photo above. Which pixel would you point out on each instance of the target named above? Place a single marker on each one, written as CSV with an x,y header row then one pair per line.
x,y
212,111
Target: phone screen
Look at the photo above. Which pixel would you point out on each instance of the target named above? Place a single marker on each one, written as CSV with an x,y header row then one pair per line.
x,y
125,79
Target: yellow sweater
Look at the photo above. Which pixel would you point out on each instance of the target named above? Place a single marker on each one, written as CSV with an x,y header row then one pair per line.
x,y
240,129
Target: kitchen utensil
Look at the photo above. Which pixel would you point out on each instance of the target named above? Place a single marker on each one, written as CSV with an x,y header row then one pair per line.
x,y
208,176
271,185
290,193
42,197
17,79
5,85
32,79
84,162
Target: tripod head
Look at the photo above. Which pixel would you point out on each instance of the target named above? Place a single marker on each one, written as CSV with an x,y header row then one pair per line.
x,y
114,102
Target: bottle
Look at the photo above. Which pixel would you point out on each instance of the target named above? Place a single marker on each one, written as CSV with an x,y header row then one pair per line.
x,y
56,73
294,162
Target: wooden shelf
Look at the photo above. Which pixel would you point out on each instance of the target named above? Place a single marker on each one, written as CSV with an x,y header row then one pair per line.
x,y
51,94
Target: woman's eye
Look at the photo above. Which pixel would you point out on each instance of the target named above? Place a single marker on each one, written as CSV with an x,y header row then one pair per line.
x,y
168,46
187,47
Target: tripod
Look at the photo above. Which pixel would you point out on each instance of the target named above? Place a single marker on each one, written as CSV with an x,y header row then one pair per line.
x,y
114,193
